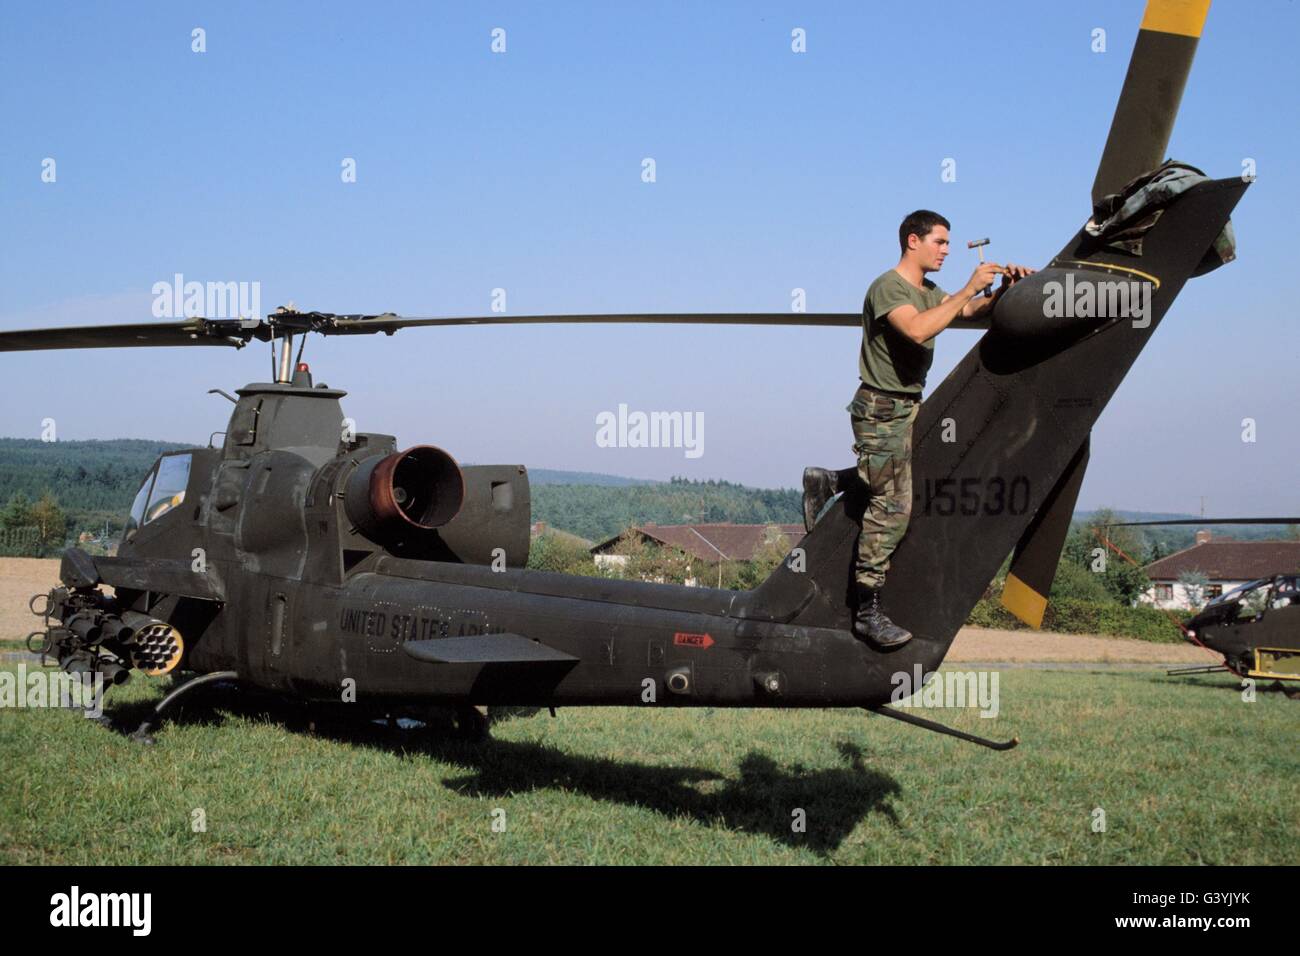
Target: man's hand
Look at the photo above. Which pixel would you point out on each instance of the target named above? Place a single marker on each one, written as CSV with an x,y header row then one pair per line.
x,y
1011,274
982,277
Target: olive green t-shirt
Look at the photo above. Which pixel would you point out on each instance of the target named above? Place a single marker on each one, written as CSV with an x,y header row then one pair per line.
x,y
889,359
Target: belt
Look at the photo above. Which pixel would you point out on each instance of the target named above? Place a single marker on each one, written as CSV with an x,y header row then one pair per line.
x,y
904,396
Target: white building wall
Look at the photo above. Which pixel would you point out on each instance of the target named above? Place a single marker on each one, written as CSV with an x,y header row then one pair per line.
x,y
1181,601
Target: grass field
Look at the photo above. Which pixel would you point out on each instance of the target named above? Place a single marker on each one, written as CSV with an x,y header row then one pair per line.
x,y
1185,771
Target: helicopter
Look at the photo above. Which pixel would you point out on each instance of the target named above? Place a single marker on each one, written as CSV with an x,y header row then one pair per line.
x,y
1255,627
308,560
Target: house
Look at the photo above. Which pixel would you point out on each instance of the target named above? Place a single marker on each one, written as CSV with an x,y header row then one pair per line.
x,y
1226,564
711,544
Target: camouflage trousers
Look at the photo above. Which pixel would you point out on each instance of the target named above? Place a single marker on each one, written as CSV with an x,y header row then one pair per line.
x,y
882,433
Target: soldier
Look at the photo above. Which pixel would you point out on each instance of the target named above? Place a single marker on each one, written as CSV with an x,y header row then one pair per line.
x,y
902,314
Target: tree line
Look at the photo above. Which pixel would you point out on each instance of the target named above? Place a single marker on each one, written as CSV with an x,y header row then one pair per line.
x,y
32,529
599,512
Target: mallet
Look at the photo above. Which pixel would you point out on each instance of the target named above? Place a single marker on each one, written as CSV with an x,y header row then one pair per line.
x,y
980,244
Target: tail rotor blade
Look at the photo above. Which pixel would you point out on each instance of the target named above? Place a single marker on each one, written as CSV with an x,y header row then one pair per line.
x,y
1148,102
1033,566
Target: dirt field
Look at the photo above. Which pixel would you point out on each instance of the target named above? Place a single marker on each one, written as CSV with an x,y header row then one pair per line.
x,y
988,645
20,578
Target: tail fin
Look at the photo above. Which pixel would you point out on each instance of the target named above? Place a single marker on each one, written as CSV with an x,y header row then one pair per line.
x,y
1001,445
994,441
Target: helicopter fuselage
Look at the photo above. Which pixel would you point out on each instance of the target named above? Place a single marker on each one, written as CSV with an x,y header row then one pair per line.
x,y
278,579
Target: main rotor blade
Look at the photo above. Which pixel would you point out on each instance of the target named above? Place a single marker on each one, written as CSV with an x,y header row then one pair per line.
x,y
1153,88
346,324
238,332
1136,524
353,324
232,332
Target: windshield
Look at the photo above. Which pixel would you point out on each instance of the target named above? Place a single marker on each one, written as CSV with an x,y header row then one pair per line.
x,y
1236,593
169,488
137,506
161,491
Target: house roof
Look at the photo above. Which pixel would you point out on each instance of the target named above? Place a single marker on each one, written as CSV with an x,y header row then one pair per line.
x,y
710,542
540,528
1229,560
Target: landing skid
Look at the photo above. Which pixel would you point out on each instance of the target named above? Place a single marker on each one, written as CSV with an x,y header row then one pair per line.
x,y
142,733
1207,669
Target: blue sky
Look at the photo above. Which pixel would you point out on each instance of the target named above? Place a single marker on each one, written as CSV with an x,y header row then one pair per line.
x,y
522,171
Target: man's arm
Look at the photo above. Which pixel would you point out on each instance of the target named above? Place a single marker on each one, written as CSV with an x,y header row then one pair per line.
x,y
922,326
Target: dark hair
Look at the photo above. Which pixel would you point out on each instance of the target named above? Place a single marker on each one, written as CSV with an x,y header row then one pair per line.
x,y
919,224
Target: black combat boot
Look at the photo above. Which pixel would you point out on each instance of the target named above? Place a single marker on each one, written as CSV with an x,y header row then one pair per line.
x,y
820,485
870,622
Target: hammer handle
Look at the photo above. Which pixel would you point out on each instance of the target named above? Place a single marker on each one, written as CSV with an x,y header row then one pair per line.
x,y
988,290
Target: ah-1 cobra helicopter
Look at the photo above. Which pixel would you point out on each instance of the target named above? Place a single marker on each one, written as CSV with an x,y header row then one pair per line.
x,y
1255,627
298,557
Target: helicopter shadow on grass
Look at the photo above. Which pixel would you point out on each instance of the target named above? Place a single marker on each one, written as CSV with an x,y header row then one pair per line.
x,y
763,799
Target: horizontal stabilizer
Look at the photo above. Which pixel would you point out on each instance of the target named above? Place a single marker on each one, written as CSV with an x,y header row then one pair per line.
x,y
486,649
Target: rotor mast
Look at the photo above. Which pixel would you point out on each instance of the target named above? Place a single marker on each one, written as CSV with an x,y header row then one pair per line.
x,y
284,374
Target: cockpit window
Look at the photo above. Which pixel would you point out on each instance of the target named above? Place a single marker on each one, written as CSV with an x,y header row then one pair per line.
x,y
1286,593
169,488
1253,602
137,506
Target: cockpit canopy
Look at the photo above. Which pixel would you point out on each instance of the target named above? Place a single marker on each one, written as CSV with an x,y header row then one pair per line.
x,y
1252,599
162,490
1237,593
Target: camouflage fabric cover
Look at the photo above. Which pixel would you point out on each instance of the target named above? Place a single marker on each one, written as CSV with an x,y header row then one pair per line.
x,y
1122,219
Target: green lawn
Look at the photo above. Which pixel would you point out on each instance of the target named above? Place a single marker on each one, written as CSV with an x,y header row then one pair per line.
x,y
1185,770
